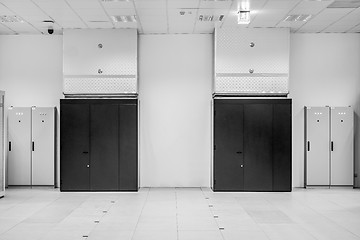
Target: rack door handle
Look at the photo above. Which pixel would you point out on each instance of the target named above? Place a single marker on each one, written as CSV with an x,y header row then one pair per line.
x,y
332,146
33,146
308,146
239,152
9,146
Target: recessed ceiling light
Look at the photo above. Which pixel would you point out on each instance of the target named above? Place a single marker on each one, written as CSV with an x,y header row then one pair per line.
x,y
11,19
124,18
243,17
297,18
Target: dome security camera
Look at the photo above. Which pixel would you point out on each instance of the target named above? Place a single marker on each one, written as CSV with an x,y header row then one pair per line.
x,y
50,31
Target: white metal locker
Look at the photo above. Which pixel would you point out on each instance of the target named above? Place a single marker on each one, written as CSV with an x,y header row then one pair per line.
x,y
2,144
317,146
43,145
19,146
342,146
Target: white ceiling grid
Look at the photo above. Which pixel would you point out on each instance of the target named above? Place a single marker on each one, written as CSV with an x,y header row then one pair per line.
x,y
163,16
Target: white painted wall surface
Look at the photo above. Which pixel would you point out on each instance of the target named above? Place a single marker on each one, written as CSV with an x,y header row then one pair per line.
x,y
31,71
324,70
176,74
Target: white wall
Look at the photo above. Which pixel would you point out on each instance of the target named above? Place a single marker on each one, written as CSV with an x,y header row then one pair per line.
x,y
31,70
175,74
324,70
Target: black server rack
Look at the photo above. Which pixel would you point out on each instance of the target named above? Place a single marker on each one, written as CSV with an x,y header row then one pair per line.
x,y
252,145
98,145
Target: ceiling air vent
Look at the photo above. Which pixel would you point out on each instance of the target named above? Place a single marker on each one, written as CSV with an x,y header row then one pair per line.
x,y
345,4
297,18
210,18
124,18
11,19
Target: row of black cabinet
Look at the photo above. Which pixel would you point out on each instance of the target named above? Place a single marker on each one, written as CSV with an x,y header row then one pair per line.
x,y
99,145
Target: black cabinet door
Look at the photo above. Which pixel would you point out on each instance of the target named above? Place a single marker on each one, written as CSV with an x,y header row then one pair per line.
x,y
228,154
282,147
74,147
258,147
104,152
128,147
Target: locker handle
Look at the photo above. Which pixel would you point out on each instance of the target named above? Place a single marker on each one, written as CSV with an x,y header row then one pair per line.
x,y
33,146
9,146
308,146
85,152
238,152
332,146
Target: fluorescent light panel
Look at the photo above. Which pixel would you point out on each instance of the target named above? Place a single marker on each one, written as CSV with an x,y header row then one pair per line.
x,y
11,19
124,18
297,18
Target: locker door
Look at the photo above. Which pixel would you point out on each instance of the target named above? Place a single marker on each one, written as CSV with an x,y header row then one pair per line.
x,y
19,146
43,149
317,146
258,147
342,148
128,142
74,151
104,152
229,152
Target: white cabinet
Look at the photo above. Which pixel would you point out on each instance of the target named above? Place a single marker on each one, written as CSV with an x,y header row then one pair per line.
x,y
329,146
31,146
2,144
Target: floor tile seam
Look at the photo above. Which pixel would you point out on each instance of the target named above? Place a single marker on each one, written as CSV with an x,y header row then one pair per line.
x,y
147,196
323,216
25,218
212,214
280,209
100,218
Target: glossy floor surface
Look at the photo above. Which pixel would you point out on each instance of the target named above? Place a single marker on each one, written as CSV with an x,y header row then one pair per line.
x,y
180,213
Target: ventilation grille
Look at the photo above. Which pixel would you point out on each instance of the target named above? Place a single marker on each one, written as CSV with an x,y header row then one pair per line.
x,y
11,19
345,4
297,18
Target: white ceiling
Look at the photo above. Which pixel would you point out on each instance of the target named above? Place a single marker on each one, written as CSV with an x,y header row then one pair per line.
x,y
163,16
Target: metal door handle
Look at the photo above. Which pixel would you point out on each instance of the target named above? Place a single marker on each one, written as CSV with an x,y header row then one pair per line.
x,y
332,146
308,146
9,146
33,146
85,152
238,152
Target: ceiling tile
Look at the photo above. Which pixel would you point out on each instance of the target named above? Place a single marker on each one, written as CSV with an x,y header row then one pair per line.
x,y
183,4
268,18
284,5
118,11
22,27
5,30
325,19
106,24
153,4
355,29
120,4
5,10
79,4
310,7
215,4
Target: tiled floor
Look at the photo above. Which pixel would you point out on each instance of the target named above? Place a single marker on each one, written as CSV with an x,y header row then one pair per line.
x,y
180,213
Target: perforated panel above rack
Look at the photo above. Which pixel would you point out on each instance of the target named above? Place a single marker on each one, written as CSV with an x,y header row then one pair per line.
x,y
251,61
100,62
